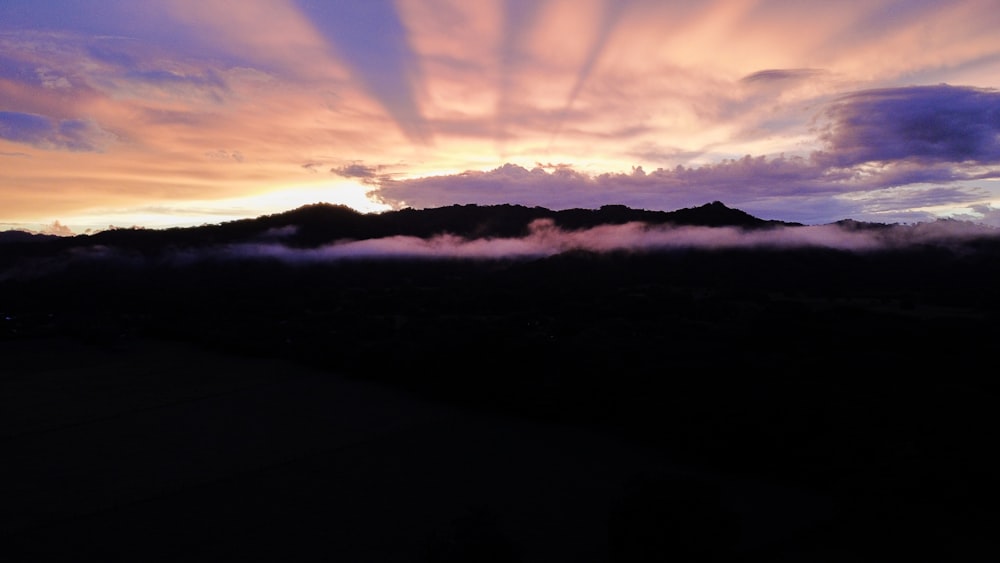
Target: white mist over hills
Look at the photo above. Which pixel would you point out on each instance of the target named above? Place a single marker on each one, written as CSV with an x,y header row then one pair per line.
x,y
546,239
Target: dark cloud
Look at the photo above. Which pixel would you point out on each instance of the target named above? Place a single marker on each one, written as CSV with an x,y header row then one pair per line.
x,y
80,135
922,124
369,175
356,170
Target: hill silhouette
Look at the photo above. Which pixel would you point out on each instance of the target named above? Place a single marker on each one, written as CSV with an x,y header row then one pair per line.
x,y
322,223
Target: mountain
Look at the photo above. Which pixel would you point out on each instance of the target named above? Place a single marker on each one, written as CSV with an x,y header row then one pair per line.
x,y
15,236
491,221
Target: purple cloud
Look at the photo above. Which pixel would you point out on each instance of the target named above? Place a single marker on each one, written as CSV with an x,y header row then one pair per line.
x,y
78,135
355,170
794,188
875,141
983,214
735,181
208,81
924,124
368,175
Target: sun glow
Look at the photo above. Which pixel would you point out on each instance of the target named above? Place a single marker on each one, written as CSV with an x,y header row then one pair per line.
x,y
200,212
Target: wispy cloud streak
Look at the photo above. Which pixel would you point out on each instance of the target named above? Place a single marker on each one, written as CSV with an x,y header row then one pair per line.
x,y
56,134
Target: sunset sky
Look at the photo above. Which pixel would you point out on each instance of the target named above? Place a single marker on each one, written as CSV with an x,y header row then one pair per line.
x,y
184,112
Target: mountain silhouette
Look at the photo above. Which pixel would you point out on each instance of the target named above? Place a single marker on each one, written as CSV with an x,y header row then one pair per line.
x,y
23,236
318,224
322,223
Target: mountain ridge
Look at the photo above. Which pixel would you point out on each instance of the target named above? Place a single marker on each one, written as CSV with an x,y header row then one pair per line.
x,y
321,223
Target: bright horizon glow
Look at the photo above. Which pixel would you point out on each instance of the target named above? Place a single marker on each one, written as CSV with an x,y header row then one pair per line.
x,y
351,194
177,112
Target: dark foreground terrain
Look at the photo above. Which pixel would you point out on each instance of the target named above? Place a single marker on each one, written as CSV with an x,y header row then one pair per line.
x,y
703,405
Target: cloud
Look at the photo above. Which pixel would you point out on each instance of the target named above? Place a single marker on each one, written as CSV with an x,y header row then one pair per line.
x,y
58,229
201,85
921,124
875,142
733,180
52,81
365,174
783,74
984,214
356,170
80,135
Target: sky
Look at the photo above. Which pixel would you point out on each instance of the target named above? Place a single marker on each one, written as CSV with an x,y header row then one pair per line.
x,y
187,112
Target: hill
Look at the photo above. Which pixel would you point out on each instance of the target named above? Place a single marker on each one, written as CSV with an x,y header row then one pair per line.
x,y
322,223
854,374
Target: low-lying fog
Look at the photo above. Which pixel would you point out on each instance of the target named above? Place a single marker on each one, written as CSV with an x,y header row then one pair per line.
x,y
543,239
546,239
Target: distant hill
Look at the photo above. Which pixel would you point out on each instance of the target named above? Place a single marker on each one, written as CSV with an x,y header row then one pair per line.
x,y
23,236
323,223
